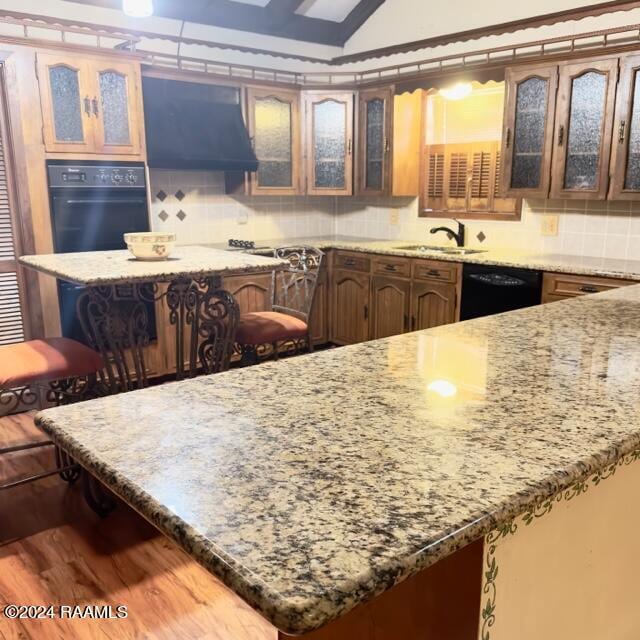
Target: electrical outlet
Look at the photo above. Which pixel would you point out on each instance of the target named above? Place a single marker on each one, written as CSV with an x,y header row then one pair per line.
x,y
549,225
243,217
394,217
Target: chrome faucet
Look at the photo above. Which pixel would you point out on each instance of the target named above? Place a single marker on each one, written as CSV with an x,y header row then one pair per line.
x,y
458,237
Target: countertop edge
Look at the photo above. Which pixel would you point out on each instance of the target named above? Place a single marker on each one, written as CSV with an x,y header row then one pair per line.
x,y
295,619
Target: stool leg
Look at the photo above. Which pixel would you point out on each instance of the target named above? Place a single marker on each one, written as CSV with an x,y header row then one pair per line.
x,y
249,356
96,496
69,471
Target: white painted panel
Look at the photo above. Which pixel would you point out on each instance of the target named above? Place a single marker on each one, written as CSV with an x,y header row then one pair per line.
x,y
335,10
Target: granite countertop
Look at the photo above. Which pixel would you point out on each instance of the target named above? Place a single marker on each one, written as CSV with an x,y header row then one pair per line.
x,y
313,484
97,268
605,267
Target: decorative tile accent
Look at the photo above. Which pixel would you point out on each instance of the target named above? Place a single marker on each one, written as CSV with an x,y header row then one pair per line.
x,y
181,215
481,237
180,195
163,215
161,195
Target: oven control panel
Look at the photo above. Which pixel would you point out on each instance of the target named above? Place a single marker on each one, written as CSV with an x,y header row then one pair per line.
x,y
126,176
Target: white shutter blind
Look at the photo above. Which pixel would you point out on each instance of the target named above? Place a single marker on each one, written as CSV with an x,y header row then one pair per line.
x,y
11,318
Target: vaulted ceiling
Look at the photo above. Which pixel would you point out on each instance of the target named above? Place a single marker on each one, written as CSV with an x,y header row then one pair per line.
x,y
330,22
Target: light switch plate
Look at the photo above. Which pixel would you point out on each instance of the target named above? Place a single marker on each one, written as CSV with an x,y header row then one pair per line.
x,y
394,217
549,225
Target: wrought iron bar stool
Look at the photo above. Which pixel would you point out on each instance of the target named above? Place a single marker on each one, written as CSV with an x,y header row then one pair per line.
x,y
284,329
67,369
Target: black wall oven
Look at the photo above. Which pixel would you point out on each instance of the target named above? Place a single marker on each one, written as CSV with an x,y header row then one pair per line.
x,y
92,205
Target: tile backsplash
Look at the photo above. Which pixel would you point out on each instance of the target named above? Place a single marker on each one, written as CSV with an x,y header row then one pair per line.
x,y
195,206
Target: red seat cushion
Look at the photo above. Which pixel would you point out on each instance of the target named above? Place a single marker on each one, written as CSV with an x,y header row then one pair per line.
x,y
264,327
47,359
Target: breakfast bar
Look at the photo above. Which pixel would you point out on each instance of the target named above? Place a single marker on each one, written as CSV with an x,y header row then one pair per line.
x,y
450,501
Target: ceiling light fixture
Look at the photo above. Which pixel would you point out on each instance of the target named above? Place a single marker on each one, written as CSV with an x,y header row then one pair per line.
x,y
457,92
138,8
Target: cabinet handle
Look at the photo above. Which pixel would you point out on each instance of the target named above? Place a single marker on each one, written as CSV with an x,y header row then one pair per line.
x,y
87,105
349,263
621,131
508,141
366,312
386,144
349,147
390,267
589,289
561,135
406,322
413,323
434,273
95,107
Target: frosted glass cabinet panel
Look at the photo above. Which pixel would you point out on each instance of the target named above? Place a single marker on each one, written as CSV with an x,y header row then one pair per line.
x,y
329,150
528,130
375,118
583,130
625,157
274,126
90,106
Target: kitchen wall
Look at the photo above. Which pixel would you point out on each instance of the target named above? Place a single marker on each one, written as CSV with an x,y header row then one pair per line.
x,y
194,205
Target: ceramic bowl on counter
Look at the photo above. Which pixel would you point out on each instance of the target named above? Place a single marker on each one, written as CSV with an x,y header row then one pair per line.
x,y
150,245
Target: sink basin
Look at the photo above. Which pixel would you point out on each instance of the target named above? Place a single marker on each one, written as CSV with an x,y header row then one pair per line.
x,y
458,251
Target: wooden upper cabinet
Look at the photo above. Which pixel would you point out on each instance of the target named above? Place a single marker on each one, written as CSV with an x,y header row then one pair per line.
x,y
274,127
329,143
407,143
375,119
117,107
527,138
65,93
90,105
625,156
584,123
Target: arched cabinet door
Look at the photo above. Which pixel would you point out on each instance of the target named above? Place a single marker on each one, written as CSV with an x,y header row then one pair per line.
x,y
390,304
432,305
329,143
65,95
530,102
116,107
583,131
274,127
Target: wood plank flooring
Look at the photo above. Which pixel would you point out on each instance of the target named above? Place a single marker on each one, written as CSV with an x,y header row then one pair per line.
x,y
55,550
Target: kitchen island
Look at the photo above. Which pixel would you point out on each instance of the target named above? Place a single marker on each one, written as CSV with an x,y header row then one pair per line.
x,y
374,491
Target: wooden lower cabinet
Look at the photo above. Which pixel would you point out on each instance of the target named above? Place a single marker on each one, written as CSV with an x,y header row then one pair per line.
x,y
252,291
562,286
432,304
319,320
350,307
390,306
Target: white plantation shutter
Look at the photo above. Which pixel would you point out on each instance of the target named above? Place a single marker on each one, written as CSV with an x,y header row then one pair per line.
x,y
11,316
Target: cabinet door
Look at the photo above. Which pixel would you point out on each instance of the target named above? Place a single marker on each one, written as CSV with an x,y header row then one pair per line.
x,y
350,307
318,320
375,113
252,292
116,106
625,157
390,306
66,104
527,137
432,304
586,97
274,126
329,143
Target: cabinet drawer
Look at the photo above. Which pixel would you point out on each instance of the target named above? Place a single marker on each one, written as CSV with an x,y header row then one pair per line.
x,y
433,270
557,284
388,265
352,261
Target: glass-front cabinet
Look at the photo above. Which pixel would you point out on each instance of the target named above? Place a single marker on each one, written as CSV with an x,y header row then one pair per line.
x,y
528,130
375,120
584,122
90,105
625,156
274,127
329,143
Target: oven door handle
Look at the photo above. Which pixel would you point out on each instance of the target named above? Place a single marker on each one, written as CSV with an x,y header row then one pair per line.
x,y
109,201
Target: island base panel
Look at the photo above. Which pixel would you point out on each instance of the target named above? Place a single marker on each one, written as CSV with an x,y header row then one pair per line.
x,y
439,603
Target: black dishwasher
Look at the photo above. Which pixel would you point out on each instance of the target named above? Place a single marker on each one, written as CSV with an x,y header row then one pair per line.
x,y
487,290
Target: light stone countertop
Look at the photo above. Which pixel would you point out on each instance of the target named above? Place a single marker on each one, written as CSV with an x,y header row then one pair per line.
x,y
313,484
580,265
100,268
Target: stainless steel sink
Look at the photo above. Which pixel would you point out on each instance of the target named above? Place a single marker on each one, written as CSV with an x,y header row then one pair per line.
x,y
458,251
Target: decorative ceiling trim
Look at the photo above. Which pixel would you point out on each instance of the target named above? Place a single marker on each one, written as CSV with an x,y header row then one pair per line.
x,y
277,18
588,11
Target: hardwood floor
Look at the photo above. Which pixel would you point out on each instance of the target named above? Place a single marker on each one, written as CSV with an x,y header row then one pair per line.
x,y
55,550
